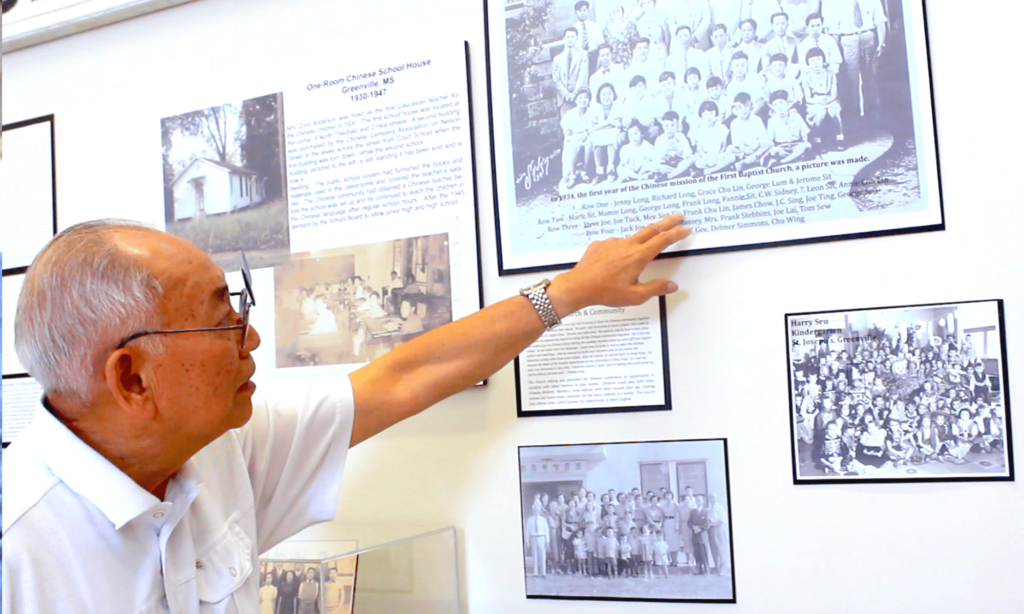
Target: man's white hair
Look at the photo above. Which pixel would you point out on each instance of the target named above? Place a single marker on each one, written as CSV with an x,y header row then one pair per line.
x,y
82,295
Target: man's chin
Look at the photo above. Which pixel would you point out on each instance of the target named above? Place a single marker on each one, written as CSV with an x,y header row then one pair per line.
x,y
242,413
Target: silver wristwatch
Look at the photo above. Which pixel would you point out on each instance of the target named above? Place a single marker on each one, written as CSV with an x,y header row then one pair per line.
x,y
538,295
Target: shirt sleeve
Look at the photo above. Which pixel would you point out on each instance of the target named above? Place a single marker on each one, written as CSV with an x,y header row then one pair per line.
x,y
295,446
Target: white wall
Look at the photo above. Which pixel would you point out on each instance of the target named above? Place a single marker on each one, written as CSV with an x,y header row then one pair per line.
x,y
937,548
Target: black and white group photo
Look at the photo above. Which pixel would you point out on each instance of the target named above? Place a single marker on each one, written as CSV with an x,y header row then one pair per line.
x,y
307,586
603,92
225,178
354,304
900,394
645,521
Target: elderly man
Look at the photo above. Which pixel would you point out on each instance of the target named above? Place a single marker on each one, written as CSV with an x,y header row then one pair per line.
x,y
152,477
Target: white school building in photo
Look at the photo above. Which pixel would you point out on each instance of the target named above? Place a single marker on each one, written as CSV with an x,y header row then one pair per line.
x,y
208,187
469,462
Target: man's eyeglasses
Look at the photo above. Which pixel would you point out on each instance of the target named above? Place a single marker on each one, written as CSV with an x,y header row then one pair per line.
x,y
245,301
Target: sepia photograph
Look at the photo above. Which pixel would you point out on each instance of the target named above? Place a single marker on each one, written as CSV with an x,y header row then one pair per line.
x,y
307,586
353,304
900,394
225,179
605,110
639,521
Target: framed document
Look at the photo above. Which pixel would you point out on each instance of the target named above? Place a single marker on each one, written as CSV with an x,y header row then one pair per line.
x,y
606,118
20,394
598,360
900,394
351,190
9,293
29,205
628,521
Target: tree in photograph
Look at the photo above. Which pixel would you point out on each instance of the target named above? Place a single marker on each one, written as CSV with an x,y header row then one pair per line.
x,y
262,130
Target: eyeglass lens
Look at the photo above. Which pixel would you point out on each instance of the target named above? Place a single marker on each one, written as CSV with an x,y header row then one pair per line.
x,y
245,303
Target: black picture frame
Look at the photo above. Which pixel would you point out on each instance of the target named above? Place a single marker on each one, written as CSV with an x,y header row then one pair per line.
x,y
12,376
559,473
18,270
536,47
665,377
905,385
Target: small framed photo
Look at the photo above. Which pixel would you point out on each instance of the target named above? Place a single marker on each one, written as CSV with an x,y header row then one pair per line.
x,y
628,521
917,393
307,585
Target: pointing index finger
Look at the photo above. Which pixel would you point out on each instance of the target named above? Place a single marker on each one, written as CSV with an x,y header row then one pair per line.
x,y
658,243
651,230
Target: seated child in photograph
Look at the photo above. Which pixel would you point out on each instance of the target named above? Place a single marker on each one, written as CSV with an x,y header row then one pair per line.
x,y
944,434
635,551
672,150
709,138
574,140
742,82
665,98
579,548
661,553
927,440
899,446
850,439
966,434
995,432
871,457
611,552
371,307
647,550
625,556
691,94
326,322
821,95
716,94
747,134
787,131
636,106
832,453
778,77
636,160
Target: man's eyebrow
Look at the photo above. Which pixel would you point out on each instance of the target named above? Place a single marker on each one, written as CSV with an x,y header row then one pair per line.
x,y
221,294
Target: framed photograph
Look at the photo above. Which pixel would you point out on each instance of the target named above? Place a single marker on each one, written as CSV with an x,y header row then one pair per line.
x,y
350,305
900,394
598,360
29,205
308,576
225,180
628,521
762,129
305,585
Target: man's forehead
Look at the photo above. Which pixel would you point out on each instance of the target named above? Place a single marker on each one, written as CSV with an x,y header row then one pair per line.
x,y
175,263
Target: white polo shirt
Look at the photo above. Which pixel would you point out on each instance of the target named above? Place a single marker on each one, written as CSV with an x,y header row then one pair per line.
x,y
80,536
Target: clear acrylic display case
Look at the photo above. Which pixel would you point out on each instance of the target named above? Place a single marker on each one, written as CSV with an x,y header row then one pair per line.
x,y
371,570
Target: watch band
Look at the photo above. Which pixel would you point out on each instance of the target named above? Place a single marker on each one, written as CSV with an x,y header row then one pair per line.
x,y
538,295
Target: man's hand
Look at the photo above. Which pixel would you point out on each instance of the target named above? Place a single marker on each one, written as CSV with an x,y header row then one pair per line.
x,y
436,365
609,271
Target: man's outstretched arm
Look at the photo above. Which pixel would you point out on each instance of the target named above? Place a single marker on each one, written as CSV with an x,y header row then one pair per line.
x,y
451,358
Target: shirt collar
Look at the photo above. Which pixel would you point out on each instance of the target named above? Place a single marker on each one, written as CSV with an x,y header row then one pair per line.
x,y
86,472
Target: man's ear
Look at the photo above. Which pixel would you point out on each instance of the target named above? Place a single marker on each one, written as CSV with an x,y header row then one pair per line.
x,y
122,372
